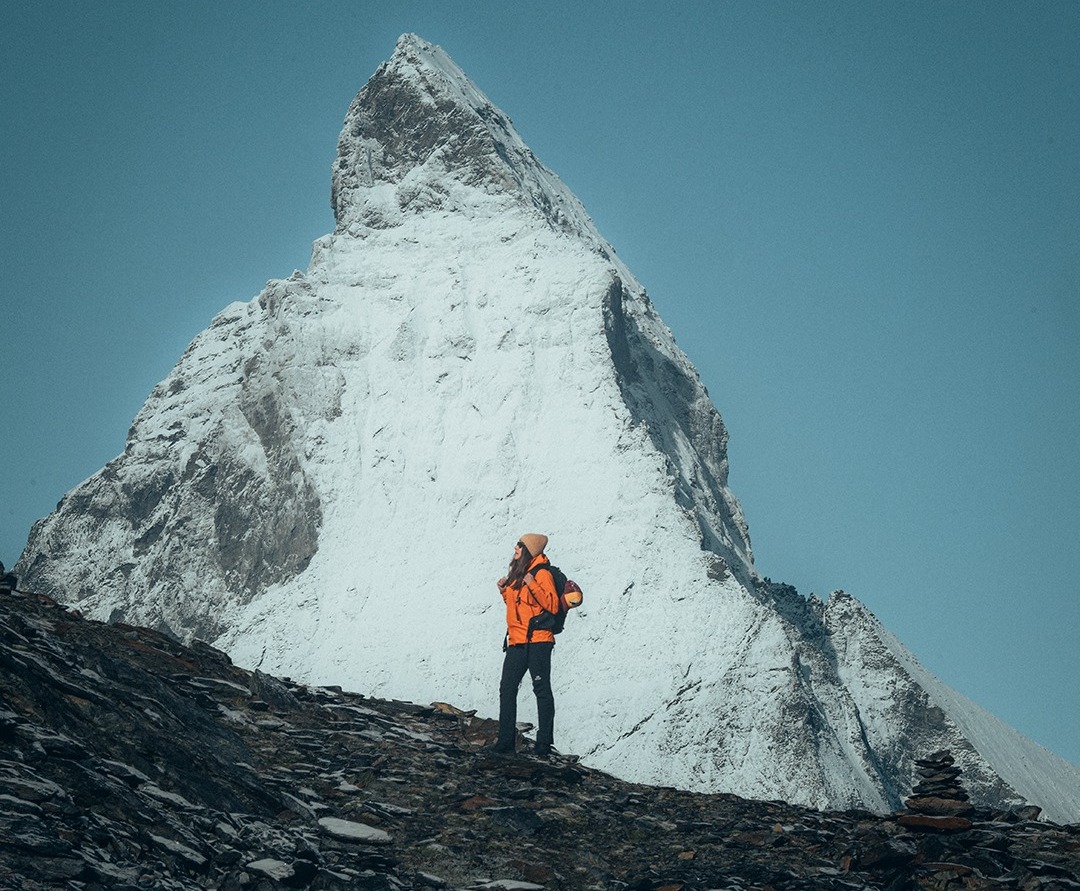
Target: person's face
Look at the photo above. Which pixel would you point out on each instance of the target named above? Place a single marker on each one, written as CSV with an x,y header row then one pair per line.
x,y
517,550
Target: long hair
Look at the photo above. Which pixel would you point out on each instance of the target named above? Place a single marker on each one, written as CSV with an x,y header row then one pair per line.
x,y
515,575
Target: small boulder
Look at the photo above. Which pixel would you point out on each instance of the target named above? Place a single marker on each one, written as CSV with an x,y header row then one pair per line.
x,y
347,830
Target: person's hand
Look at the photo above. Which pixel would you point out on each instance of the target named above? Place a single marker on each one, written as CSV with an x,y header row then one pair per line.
x,y
529,579
501,583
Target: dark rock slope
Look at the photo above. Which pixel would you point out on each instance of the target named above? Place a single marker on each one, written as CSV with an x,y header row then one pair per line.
x,y
129,761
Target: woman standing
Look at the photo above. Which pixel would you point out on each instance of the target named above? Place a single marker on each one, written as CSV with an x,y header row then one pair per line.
x,y
528,596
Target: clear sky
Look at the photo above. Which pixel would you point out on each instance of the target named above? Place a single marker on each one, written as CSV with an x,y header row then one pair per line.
x,y
860,220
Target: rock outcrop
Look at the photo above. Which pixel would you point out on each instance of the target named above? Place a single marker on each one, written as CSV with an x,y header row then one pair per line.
x,y
129,761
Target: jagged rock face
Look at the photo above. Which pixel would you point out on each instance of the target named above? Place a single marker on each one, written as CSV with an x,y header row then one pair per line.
x,y
649,377
332,477
128,760
420,136
209,503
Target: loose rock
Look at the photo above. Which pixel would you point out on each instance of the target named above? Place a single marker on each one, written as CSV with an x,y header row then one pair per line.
x,y
128,761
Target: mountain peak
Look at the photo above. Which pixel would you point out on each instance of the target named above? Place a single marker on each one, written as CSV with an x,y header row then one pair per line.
x,y
328,463
421,135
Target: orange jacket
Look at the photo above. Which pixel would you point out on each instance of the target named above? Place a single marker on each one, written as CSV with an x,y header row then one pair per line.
x,y
530,600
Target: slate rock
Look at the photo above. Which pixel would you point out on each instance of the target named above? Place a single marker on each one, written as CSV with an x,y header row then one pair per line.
x,y
928,804
354,832
934,823
168,768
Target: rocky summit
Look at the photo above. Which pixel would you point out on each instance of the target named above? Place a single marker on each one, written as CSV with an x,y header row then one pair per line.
x,y
130,761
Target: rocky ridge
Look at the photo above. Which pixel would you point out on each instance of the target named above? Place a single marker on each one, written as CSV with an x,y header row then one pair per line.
x,y
130,761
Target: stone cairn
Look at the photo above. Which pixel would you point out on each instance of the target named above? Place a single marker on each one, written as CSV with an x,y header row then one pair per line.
x,y
939,788
938,799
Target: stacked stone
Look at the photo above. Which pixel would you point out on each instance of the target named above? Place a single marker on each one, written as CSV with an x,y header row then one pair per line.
x,y
938,779
938,799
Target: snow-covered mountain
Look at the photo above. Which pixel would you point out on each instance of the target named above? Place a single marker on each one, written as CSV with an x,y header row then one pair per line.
x,y
333,475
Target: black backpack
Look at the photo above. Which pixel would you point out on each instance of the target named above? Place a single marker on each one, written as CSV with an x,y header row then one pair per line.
x,y
569,598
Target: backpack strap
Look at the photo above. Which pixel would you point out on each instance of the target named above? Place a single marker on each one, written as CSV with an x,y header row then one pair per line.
x,y
533,571
546,566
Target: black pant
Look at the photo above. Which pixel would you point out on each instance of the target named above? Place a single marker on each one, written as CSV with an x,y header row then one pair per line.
x,y
535,658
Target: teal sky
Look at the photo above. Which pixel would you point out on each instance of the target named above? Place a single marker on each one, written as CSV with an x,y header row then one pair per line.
x,y
860,220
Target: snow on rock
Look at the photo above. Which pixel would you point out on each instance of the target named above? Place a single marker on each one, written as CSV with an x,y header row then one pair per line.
x,y
421,136
332,477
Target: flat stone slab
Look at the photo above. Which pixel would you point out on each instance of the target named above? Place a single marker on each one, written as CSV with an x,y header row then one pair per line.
x,y
274,869
934,823
348,830
944,807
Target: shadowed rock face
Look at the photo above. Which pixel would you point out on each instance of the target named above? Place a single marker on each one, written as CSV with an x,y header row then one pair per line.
x,y
205,513
130,761
672,405
397,124
417,127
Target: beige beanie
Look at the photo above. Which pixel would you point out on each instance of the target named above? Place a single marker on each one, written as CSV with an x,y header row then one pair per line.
x,y
534,542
